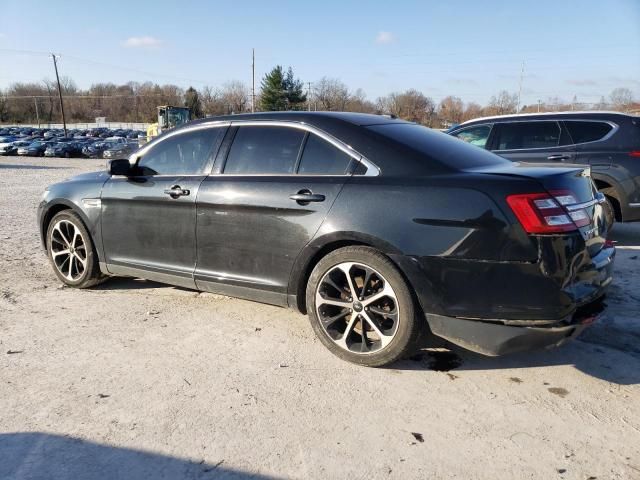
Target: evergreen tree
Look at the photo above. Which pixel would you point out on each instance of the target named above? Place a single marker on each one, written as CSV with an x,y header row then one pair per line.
x,y
294,88
273,95
192,101
281,91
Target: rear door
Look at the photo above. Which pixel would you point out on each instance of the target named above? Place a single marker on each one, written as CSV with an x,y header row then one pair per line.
x,y
149,220
589,137
539,141
272,189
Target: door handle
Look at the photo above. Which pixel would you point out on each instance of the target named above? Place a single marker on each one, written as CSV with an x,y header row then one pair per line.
x,y
559,158
303,197
176,191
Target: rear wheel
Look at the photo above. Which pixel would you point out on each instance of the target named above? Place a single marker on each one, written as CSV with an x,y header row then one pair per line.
x,y
71,251
361,308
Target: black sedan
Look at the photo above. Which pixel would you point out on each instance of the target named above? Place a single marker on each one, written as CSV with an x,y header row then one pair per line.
x,y
34,149
119,150
379,229
64,147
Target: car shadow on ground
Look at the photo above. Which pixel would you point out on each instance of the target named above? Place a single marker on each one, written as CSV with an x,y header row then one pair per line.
x,y
586,354
44,456
129,283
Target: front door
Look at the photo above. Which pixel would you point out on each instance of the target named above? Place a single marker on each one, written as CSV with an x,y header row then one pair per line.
x,y
543,141
263,207
149,219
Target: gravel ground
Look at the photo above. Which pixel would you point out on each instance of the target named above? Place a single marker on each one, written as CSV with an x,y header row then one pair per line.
x,y
134,379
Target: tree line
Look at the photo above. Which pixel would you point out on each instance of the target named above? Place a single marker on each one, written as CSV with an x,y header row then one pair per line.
x,y
280,89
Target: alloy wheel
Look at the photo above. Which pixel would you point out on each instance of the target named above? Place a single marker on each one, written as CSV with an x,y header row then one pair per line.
x,y
357,308
68,250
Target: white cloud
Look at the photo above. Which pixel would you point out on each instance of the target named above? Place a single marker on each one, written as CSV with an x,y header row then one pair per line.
x,y
384,38
141,42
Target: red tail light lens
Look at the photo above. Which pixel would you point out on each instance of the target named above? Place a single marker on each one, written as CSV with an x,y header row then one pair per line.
x,y
635,153
543,213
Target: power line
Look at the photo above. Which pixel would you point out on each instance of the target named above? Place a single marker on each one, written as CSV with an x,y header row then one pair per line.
x,y
105,64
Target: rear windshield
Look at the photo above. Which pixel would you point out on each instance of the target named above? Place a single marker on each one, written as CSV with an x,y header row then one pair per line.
x,y
439,146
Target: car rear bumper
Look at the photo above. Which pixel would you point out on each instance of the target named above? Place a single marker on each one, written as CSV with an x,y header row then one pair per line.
x,y
494,338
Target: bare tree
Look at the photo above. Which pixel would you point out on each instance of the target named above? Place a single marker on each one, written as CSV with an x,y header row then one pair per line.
x,y
411,105
450,110
472,110
331,94
621,98
502,104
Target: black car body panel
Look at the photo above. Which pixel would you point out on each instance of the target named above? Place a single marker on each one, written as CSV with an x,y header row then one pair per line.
x,y
613,156
435,206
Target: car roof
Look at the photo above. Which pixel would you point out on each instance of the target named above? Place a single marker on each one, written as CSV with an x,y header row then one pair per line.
x,y
359,119
590,114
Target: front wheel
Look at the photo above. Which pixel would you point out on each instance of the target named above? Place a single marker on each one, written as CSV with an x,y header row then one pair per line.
x,y
361,308
71,251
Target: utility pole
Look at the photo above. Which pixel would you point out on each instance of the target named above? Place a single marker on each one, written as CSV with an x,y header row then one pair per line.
x,y
64,120
309,97
35,101
253,80
520,87
539,105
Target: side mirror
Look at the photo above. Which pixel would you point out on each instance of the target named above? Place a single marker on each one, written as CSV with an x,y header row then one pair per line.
x,y
120,166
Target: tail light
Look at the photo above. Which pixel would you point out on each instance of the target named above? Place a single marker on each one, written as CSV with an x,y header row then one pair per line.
x,y
635,153
546,213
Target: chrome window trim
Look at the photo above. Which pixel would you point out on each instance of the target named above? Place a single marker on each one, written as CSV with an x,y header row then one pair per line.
x,y
557,122
372,169
133,159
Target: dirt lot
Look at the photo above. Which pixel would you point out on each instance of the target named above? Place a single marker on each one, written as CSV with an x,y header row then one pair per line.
x,y
139,380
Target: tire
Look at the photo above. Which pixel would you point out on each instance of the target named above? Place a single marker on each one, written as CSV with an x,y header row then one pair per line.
x,y
66,228
67,155
387,311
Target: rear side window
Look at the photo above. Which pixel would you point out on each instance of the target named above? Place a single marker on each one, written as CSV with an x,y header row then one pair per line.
x,y
477,135
264,150
525,135
182,154
582,132
437,146
321,158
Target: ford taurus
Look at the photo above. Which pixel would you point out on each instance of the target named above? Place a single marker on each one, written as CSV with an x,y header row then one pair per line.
x,y
377,228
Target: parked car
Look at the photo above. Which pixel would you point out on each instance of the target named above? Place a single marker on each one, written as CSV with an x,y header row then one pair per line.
x,y
12,148
378,228
608,142
96,149
120,150
5,143
34,149
64,147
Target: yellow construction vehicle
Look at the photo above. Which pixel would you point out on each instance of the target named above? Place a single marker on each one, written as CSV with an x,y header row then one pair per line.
x,y
168,117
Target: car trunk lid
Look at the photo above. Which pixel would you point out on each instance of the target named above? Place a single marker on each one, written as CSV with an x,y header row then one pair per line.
x,y
571,199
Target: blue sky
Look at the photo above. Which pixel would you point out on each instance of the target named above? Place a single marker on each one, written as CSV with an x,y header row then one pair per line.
x,y
471,49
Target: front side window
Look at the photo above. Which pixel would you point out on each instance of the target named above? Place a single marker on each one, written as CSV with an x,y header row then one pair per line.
x,y
264,150
477,135
582,132
526,135
182,154
321,158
